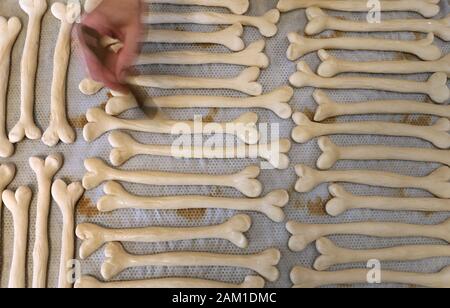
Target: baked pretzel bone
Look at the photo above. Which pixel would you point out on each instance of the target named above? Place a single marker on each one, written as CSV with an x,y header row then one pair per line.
x,y
437,182
116,197
235,6
319,21
94,237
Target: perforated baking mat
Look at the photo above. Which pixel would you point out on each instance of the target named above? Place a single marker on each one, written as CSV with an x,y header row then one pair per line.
x,y
264,233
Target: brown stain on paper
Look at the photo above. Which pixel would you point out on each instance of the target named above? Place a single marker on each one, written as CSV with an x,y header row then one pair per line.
x,y
424,120
79,122
309,113
211,116
192,214
316,207
87,208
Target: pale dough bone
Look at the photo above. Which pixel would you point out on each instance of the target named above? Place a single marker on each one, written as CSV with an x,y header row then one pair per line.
x,y
246,82
125,147
253,55
7,174
116,197
67,197
436,182
235,6
26,125
332,66
100,123
332,255
94,237
427,8
436,86
91,5
329,108
229,37
277,101
308,130
343,201
117,260
422,48
18,204
9,30
305,234
250,282
45,171
244,181
333,153
306,278
59,127
319,21
266,24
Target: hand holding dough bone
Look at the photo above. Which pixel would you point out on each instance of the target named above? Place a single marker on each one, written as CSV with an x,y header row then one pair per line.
x,y
18,204
94,237
45,171
427,8
253,55
436,86
343,201
125,147
266,24
100,123
276,101
332,66
250,282
59,127
305,234
308,130
67,197
332,255
437,182
329,108
319,21
230,37
9,30
117,260
244,181
235,6
333,153
306,278
26,126
422,48
116,197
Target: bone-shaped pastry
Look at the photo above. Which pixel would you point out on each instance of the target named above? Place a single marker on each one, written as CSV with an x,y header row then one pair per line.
x,y
9,30
422,48
67,197
7,174
235,6
125,147
305,234
428,8
266,24
332,255
230,37
332,66
26,125
253,55
246,82
18,204
344,201
45,171
333,153
59,128
308,130
117,260
319,21
118,198
244,181
94,237
306,278
436,86
250,282
100,123
276,101
436,183
329,108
